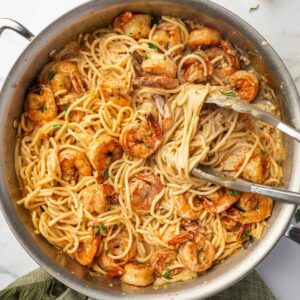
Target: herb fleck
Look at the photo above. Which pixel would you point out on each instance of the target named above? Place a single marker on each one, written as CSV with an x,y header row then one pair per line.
x,y
106,172
297,216
106,252
229,94
103,227
233,192
66,107
57,126
166,274
202,250
203,258
245,233
149,147
51,74
43,108
152,46
98,229
198,54
262,151
252,9
81,223
146,56
57,100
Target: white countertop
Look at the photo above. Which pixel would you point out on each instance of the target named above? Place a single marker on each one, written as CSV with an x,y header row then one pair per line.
x,y
277,20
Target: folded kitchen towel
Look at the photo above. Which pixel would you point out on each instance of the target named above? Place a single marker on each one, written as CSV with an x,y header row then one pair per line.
x,y
39,285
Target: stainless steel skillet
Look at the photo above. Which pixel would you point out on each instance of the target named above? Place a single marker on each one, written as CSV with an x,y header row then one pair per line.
x,y
99,13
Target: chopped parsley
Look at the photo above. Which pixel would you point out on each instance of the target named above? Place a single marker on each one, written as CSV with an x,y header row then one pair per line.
x,y
66,107
81,223
245,233
149,147
103,227
57,100
57,126
166,274
51,74
43,108
202,250
229,94
152,46
106,252
262,151
146,56
252,9
297,215
106,172
233,192
203,258
198,54
98,229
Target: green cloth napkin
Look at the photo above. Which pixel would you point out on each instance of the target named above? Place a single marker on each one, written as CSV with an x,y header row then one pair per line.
x,y
39,285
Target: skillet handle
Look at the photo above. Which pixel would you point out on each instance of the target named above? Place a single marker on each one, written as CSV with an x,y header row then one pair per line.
x,y
17,27
293,233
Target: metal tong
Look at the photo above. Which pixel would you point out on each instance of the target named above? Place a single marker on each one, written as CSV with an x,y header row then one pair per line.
x,y
218,178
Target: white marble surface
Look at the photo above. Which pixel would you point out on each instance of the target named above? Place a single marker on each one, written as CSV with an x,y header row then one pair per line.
x,y
277,20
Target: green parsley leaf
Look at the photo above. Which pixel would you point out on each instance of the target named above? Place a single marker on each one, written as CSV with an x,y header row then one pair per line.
x,y
81,223
166,274
297,215
98,229
57,100
202,250
262,151
43,108
146,56
152,46
106,172
106,252
57,126
233,192
51,74
66,107
103,227
198,54
245,233
203,258
230,94
149,147
252,9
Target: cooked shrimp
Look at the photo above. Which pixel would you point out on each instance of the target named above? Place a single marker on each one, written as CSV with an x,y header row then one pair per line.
x,y
223,64
204,36
159,64
136,26
222,203
156,81
247,202
246,84
193,70
167,35
87,250
115,94
257,168
184,209
262,211
230,218
116,247
143,190
243,233
63,104
104,152
40,105
197,253
138,274
142,139
63,76
162,259
94,199
74,165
